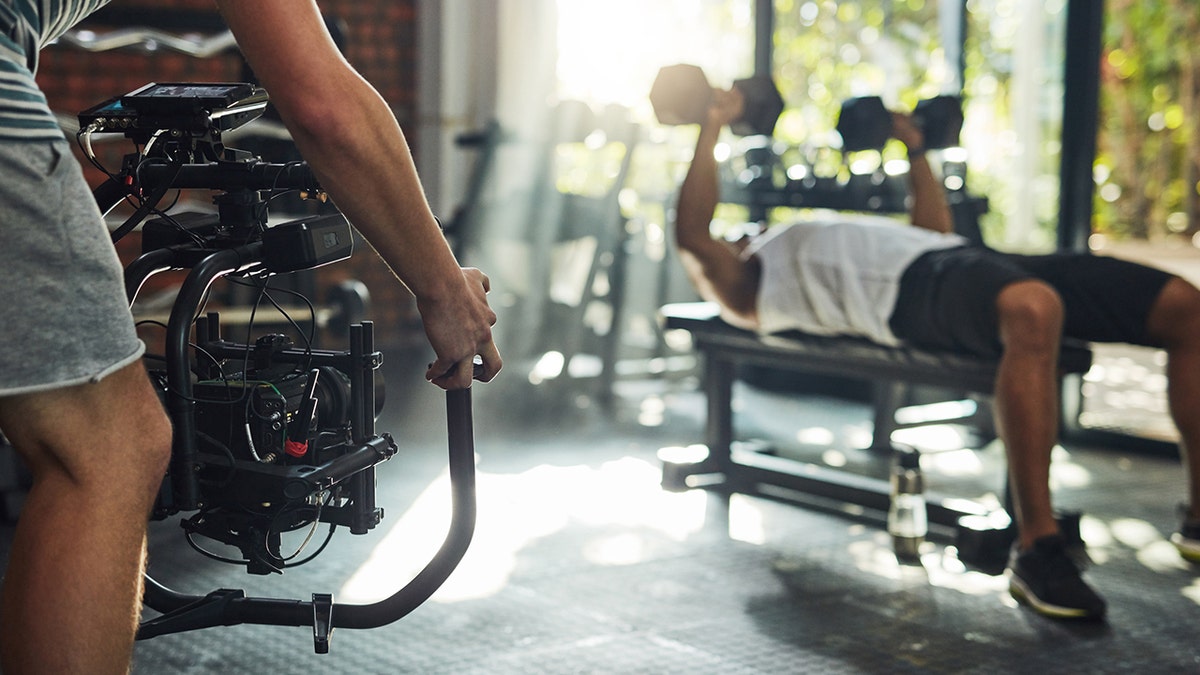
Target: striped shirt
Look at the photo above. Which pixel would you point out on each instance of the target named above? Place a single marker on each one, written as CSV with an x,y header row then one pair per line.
x,y
26,26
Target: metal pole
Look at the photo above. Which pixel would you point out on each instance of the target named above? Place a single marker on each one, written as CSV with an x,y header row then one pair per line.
x,y
1081,107
764,36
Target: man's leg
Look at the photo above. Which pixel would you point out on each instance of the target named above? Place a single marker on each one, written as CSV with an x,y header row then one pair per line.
x,y
1042,574
1174,322
72,592
1026,399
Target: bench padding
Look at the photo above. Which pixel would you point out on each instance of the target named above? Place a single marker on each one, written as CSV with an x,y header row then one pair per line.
x,y
846,356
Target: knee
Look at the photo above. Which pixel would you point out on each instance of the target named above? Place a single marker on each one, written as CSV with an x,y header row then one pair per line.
x,y
1174,319
134,448
137,460
156,447
1030,316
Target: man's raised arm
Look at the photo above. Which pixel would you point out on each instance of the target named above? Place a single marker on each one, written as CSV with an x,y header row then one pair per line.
x,y
715,268
929,208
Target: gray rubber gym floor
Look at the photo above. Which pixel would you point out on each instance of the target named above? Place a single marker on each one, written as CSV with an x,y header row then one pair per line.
x,y
582,564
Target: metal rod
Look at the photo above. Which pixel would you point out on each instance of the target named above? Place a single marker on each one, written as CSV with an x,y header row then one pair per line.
x,y
461,443
145,266
1081,108
180,404
764,37
228,608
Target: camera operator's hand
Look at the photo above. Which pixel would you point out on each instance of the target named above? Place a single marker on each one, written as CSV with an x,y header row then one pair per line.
x,y
459,330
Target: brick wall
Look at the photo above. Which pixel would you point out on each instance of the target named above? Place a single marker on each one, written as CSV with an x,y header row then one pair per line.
x,y
380,43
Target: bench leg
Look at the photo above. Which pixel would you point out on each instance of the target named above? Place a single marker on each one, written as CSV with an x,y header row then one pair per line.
x,y
714,459
887,398
718,391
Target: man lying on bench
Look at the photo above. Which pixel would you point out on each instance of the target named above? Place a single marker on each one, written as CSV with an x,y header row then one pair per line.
x,y
872,277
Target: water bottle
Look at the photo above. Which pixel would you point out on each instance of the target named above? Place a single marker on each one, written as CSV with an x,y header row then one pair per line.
x,y
907,520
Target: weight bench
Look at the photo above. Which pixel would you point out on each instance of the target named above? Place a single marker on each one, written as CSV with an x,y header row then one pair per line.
x,y
728,468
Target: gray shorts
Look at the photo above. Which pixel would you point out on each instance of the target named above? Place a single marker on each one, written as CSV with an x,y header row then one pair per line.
x,y
64,319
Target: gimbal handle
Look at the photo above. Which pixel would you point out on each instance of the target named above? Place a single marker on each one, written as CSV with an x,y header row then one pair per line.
x,y
225,607
183,612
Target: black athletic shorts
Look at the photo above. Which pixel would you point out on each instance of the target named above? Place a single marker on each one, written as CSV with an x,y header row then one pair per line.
x,y
947,298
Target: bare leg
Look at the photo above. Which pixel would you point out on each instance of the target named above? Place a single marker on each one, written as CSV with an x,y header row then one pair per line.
x,y
1174,322
71,598
1026,400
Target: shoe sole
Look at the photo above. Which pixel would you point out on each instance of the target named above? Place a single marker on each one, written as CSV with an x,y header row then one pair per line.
x,y
1188,548
1024,595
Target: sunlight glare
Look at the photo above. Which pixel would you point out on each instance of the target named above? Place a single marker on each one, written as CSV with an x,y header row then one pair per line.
x,y
1161,555
746,522
932,437
934,412
1192,592
815,436
1133,532
619,549
834,458
515,511
1069,475
942,569
548,367
609,52
964,462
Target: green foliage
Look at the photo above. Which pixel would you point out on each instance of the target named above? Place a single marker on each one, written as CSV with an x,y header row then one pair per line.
x,y
1147,178
1147,173
827,51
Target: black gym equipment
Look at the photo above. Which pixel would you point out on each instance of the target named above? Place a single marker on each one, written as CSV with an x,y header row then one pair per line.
x,y
270,437
866,124
681,94
981,533
940,120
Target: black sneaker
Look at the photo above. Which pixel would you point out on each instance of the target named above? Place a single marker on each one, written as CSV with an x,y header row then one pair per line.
x,y
1187,539
1047,579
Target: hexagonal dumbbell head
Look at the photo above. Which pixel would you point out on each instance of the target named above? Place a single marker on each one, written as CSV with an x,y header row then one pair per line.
x,y
680,95
940,120
864,123
762,107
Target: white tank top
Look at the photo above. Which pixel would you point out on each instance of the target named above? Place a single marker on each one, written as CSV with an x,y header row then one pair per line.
x,y
838,275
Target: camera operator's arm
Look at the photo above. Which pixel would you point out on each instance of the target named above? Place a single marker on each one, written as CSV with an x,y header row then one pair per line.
x,y
351,139
929,207
715,268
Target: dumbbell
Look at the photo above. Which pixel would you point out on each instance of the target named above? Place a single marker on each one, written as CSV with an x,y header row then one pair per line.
x,y
866,124
681,94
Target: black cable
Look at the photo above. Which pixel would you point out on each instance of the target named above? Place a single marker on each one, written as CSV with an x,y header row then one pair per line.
x,y
147,204
328,538
308,338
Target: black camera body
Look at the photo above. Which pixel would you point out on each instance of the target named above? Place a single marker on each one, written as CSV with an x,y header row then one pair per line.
x,y
270,436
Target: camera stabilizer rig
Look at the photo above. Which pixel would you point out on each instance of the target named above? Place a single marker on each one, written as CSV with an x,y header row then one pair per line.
x,y
269,437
